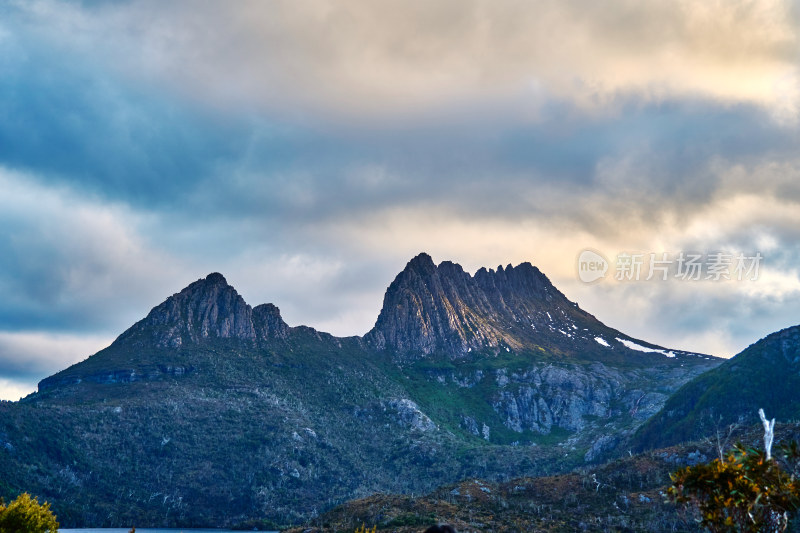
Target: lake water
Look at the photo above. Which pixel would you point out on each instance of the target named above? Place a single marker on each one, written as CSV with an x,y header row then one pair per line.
x,y
146,530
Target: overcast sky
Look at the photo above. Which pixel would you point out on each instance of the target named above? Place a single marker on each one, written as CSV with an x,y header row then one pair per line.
x,y
308,149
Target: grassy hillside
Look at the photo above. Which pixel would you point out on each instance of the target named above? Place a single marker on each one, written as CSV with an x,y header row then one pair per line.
x,y
765,375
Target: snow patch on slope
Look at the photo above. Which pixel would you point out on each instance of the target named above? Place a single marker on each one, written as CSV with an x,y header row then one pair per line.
x,y
639,348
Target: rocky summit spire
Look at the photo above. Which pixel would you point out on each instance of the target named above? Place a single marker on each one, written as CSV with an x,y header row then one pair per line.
x,y
208,308
422,264
430,308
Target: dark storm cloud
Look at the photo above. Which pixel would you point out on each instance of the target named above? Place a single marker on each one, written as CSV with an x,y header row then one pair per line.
x,y
64,258
65,121
660,156
127,143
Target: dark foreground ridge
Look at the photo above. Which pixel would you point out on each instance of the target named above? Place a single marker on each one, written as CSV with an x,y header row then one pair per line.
x,y
208,412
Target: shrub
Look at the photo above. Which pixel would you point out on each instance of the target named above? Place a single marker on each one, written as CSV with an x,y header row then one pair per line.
x,y
744,492
26,515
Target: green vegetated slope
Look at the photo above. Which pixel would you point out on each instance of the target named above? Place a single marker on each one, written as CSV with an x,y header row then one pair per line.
x,y
263,438
627,494
211,413
764,375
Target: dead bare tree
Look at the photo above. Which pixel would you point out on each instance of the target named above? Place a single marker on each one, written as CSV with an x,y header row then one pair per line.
x,y
722,435
769,433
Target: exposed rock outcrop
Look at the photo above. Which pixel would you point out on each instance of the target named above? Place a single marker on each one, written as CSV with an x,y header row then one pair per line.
x,y
409,414
127,375
540,398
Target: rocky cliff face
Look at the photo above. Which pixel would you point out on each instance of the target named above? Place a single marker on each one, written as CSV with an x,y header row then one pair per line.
x,y
430,309
208,308
539,398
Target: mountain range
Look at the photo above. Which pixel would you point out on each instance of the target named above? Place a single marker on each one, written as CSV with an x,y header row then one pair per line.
x,y
209,412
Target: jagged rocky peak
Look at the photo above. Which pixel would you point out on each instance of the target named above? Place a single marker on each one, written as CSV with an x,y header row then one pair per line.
x,y
524,279
208,308
214,278
430,308
421,264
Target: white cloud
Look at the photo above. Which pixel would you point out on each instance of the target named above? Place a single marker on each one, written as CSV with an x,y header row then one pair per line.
x,y
13,390
39,353
28,357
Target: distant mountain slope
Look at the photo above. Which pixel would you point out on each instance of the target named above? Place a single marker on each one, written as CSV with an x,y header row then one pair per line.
x,y
764,375
209,412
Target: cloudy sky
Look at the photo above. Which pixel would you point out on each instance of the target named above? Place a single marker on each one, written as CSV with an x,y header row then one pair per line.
x,y
308,149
